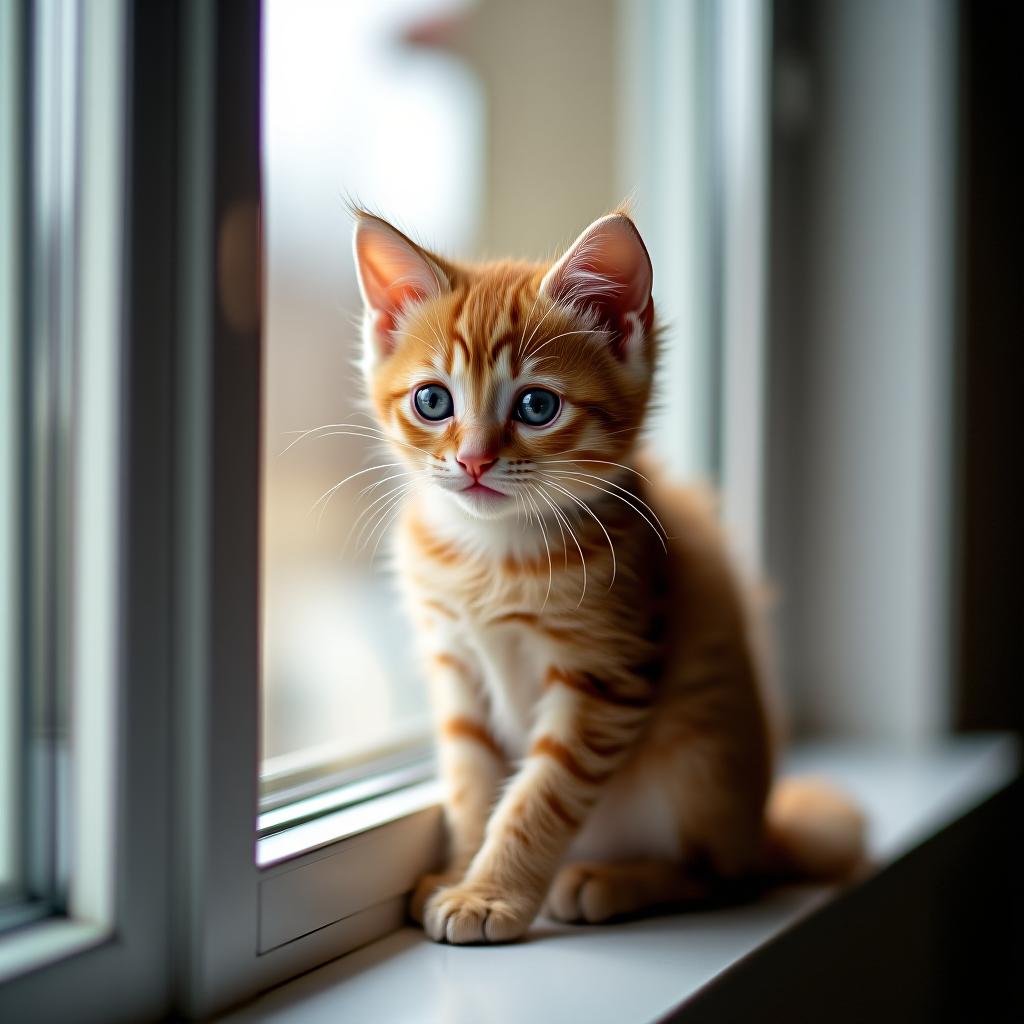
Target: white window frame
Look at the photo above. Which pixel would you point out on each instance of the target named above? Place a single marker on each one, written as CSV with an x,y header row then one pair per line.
x,y
335,882
104,954
245,927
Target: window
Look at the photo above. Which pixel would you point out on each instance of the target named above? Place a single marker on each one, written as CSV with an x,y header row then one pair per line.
x,y
214,763
77,845
340,697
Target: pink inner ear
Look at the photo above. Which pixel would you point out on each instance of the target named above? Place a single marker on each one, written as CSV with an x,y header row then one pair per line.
x,y
607,269
393,274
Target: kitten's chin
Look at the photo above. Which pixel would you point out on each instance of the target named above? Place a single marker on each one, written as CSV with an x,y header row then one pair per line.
x,y
484,503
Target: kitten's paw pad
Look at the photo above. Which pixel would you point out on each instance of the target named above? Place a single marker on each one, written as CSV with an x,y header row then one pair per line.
x,y
474,912
581,892
425,888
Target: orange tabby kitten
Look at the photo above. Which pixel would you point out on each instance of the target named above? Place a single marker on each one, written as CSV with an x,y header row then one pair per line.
x,y
603,737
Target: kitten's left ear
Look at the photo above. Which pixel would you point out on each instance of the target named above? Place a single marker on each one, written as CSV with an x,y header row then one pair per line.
x,y
607,269
394,273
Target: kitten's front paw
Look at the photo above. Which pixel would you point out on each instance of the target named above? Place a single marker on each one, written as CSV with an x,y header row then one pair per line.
x,y
476,912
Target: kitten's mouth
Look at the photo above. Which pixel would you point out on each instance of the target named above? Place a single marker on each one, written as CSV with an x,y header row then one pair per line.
x,y
482,490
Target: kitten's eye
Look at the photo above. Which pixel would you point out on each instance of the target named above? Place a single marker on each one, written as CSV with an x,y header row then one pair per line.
x,y
537,406
434,402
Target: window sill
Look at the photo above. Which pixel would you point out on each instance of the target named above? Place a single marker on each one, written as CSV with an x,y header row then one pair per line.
x,y
46,942
643,970
344,824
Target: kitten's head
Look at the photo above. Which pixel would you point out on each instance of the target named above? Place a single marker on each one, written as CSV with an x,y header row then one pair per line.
x,y
497,381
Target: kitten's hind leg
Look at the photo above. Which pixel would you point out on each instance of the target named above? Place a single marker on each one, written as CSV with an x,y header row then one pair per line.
x,y
595,892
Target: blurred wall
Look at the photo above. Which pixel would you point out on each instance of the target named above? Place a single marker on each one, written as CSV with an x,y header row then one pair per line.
x,y
548,75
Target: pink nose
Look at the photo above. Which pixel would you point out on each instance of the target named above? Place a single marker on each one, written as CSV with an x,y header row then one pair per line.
x,y
476,464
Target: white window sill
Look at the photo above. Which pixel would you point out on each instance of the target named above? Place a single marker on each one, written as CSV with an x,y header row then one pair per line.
x,y
46,942
641,970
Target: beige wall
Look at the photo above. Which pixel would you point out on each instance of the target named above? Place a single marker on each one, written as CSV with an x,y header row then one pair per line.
x,y
548,73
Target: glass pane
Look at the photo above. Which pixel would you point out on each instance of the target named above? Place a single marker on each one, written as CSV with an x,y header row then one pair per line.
x,y
60,222
338,690
10,787
420,110
38,174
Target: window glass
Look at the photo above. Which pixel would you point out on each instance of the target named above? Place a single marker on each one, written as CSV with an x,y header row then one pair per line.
x,y
37,279
421,111
60,223
9,695
351,110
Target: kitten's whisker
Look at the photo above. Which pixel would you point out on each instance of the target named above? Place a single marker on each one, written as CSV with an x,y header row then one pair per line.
x,y
392,476
565,547
405,485
356,430
436,332
367,529
433,348
578,478
547,547
533,354
561,517
625,490
386,527
602,462
303,434
533,333
586,508
526,323
604,434
325,498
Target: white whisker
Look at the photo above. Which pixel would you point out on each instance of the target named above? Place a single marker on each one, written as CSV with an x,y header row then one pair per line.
x,y
578,478
602,462
331,491
567,334
547,547
405,485
387,525
561,517
586,508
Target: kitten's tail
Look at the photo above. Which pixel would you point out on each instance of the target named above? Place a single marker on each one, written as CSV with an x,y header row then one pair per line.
x,y
813,831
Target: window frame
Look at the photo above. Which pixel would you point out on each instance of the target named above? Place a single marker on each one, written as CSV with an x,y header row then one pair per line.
x,y
335,882
198,924
237,921
107,956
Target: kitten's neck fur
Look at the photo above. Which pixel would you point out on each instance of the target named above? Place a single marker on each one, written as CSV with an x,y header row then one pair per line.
x,y
515,536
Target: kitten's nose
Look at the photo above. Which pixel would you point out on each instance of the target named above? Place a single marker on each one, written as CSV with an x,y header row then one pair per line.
x,y
475,464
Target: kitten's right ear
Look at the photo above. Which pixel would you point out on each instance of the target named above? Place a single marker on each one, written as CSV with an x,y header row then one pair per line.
x,y
394,273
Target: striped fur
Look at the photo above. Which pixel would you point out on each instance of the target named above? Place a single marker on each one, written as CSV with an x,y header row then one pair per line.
x,y
602,734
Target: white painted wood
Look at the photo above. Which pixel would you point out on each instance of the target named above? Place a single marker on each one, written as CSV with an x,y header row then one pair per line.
x,y
666,165
636,971
743,54
349,876
11,161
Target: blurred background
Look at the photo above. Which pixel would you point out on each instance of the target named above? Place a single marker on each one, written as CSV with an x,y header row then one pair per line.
x,y
814,181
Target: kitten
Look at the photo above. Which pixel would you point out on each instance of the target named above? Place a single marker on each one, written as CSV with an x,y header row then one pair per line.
x,y
603,738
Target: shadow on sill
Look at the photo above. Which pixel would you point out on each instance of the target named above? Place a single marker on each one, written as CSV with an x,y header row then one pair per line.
x,y
937,936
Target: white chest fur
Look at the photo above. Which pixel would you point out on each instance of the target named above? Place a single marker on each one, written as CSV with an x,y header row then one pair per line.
x,y
513,661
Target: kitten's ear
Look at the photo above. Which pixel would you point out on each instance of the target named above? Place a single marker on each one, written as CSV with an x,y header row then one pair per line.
x,y
394,273
607,269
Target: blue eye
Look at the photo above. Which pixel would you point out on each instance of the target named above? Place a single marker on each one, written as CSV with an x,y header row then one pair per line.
x,y
536,406
434,402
